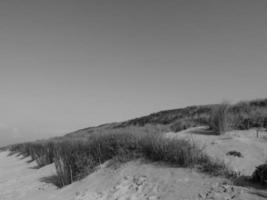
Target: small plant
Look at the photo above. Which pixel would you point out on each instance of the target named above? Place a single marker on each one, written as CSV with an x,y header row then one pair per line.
x,y
234,153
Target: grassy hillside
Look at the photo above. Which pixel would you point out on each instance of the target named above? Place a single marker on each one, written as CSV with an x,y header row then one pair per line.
x,y
243,115
167,120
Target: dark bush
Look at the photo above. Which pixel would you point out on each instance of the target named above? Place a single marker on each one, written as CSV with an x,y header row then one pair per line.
x,y
260,174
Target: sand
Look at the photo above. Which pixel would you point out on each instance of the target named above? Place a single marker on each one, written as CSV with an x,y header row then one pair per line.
x,y
21,180
253,149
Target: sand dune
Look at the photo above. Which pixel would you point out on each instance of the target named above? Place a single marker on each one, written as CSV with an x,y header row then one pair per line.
x,y
140,180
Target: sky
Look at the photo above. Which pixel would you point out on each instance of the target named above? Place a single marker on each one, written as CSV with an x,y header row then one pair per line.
x,y
66,65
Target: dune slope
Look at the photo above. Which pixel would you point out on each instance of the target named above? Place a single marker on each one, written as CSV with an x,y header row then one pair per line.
x,y
133,180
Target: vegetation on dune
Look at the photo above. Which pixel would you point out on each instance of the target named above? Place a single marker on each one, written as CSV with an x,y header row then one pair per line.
x,y
246,115
3,149
194,115
75,160
42,151
260,174
182,125
235,153
218,118
22,149
78,154
242,115
115,128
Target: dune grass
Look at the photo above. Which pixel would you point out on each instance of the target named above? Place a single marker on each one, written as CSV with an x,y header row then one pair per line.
x,y
78,154
76,159
41,152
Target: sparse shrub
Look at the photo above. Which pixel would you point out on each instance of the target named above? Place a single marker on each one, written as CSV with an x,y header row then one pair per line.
x,y
218,119
177,152
239,116
182,125
216,168
246,115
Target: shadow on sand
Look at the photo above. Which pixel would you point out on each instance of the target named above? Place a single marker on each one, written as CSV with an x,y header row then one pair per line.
x,y
253,188
30,161
35,167
245,181
52,180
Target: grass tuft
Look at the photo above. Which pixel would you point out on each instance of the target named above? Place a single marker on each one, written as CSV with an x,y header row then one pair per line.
x,y
218,118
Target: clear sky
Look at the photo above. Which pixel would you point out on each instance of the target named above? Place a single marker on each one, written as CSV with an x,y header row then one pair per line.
x,y
66,65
